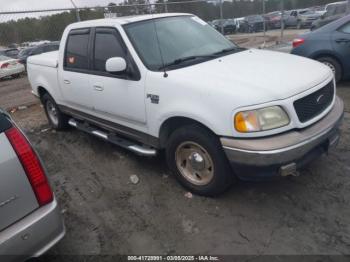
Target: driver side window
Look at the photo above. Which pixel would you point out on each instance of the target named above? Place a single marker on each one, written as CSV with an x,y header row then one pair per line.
x,y
107,45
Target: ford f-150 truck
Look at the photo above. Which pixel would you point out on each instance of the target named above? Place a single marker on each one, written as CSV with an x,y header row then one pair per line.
x,y
172,82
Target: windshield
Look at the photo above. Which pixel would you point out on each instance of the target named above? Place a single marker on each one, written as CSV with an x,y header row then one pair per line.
x,y
179,37
308,12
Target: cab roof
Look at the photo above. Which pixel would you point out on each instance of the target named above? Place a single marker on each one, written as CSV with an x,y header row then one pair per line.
x,y
123,20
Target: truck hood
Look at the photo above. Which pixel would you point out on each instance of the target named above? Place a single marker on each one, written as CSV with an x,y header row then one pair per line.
x,y
256,75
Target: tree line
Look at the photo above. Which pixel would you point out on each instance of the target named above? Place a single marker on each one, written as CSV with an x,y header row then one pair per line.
x,y
50,27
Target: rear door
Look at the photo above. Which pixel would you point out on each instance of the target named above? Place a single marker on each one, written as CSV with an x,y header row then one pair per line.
x,y
16,195
341,44
74,75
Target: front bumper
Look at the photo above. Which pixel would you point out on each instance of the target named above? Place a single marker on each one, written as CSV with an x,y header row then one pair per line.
x,y
33,235
266,156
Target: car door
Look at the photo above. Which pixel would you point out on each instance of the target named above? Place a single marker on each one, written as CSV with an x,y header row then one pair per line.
x,y
74,74
117,97
341,44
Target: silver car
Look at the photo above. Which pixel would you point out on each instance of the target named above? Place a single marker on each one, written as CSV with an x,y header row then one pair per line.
x,y
30,219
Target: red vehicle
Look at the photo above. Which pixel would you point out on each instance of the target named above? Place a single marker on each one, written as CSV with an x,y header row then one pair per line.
x,y
273,20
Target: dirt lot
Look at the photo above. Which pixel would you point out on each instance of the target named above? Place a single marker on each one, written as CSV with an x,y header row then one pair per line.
x,y
106,214
272,37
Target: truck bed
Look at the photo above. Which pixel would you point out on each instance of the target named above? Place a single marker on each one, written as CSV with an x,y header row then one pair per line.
x,y
49,59
42,72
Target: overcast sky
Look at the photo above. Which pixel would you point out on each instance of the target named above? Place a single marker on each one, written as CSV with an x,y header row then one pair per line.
x,y
27,5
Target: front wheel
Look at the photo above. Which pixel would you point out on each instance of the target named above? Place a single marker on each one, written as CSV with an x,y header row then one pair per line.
x,y
196,158
56,118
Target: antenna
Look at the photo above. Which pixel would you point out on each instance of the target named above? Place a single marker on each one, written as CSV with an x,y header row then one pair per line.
x,y
160,50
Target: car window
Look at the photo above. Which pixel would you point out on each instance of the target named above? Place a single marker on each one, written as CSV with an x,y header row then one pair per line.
x,y
175,38
77,50
12,52
340,9
345,28
107,45
331,10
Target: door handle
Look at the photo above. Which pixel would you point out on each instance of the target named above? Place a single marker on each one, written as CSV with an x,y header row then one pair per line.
x,y
342,40
67,82
98,88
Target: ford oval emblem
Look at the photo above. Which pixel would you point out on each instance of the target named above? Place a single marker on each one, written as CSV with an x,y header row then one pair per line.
x,y
320,98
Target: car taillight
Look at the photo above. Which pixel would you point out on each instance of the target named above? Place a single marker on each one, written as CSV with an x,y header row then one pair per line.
x,y
4,65
31,166
297,42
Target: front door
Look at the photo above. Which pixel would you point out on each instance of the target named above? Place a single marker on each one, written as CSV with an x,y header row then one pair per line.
x,y
117,97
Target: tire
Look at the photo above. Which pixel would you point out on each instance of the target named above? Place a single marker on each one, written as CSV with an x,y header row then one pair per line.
x,y
16,76
210,173
56,118
334,65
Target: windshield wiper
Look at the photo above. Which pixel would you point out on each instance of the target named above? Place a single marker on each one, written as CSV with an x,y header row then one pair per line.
x,y
185,59
229,50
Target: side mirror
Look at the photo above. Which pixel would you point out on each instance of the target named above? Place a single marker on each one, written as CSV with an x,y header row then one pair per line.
x,y
115,65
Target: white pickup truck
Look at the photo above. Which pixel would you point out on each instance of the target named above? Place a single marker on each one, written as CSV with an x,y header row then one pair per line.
x,y
170,81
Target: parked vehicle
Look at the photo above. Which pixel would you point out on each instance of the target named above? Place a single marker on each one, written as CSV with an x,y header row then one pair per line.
x,y
30,220
169,81
36,50
10,67
300,18
333,12
12,52
329,45
255,23
230,26
273,20
226,26
242,25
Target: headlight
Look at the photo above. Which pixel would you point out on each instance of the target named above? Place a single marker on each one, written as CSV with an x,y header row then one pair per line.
x,y
261,119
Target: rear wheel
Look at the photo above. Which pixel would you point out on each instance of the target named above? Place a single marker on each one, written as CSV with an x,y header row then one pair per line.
x,y
196,158
334,65
56,118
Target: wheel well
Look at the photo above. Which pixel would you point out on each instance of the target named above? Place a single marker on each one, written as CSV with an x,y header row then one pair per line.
x,y
316,57
41,91
174,123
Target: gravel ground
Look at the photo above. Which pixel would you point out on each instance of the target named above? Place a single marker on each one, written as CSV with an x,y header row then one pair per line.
x,y
105,213
15,92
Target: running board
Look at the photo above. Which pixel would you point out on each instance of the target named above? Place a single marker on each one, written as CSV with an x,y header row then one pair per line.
x,y
114,139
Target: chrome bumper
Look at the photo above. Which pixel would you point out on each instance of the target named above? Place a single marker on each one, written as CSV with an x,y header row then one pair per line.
x,y
287,147
33,235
